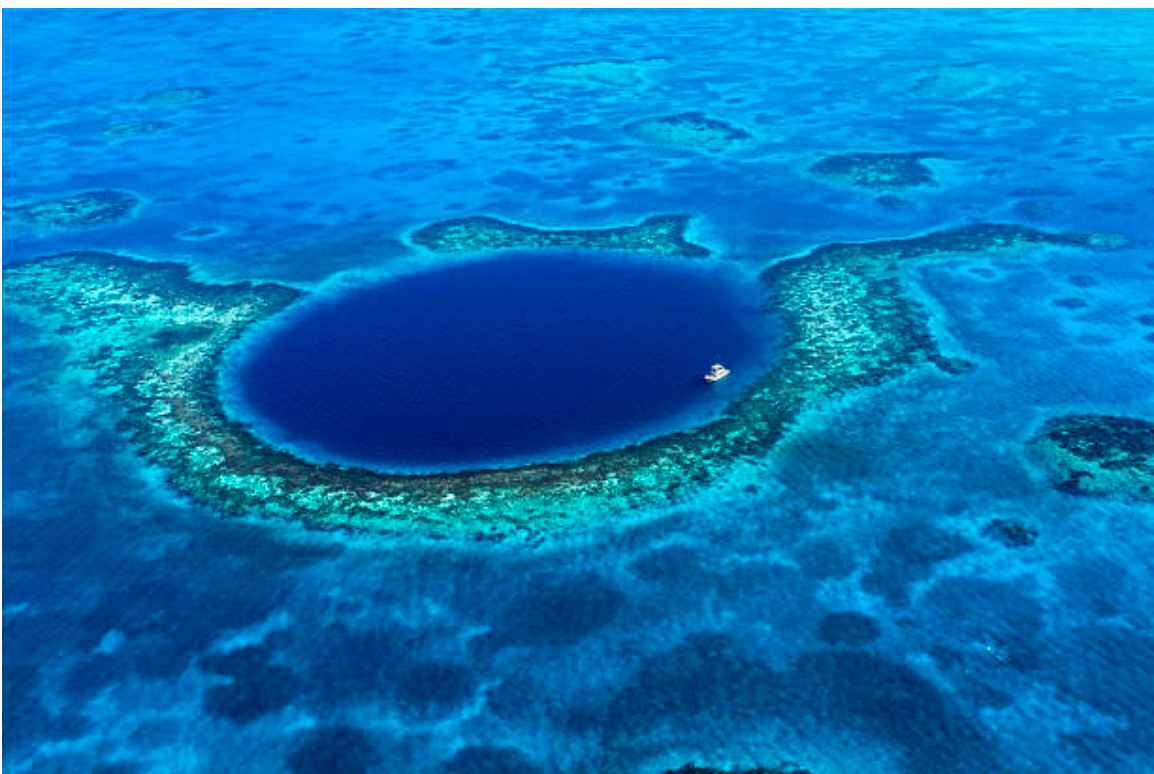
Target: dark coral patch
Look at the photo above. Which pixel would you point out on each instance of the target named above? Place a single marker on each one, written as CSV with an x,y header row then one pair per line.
x,y
850,629
877,170
662,235
823,558
856,691
679,567
346,666
1071,303
1145,320
334,750
251,695
706,675
1009,533
83,210
257,688
953,365
1099,454
489,759
555,613
435,686
117,767
692,130
908,554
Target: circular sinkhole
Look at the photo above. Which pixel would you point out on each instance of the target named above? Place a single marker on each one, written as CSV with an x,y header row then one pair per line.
x,y
521,358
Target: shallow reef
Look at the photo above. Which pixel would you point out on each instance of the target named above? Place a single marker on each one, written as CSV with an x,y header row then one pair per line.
x,y
155,341
604,72
178,96
961,81
693,130
878,171
82,210
660,235
1011,534
1100,454
124,130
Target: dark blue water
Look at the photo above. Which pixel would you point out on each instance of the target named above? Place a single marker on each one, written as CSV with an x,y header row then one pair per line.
x,y
533,356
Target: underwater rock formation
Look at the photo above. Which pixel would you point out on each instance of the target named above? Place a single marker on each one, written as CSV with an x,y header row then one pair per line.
x,y
879,171
604,72
1099,454
693,130
155,340
1011,534
123,130
848,629
961,81
662,235
83,210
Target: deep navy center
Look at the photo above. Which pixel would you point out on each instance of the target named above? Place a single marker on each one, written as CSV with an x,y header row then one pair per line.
x,y
533,356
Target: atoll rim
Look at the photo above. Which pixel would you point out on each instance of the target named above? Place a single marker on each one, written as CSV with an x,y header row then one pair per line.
x,y
847,318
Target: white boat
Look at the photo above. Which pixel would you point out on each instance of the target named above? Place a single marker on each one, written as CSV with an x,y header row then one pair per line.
x,y
717,373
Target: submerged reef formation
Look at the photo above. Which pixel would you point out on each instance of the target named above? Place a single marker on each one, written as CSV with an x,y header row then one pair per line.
x,y
155,341
604,72
178,96
1011,534
83,210
695,131
124,130
961,81
878,171
661,235
1099,454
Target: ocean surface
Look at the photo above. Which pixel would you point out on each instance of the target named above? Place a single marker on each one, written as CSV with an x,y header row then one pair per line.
x,y
838,605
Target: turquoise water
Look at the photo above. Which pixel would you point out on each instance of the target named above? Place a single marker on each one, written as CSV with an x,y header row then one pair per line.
x,y
534,356
839,603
